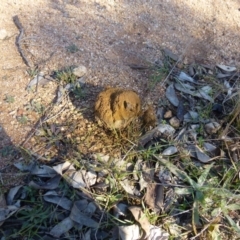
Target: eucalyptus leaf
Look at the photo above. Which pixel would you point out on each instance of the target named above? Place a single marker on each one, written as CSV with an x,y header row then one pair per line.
x,y
62,227
53,197
171,95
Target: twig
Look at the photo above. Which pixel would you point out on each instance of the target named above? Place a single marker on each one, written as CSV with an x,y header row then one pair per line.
x,y
19,38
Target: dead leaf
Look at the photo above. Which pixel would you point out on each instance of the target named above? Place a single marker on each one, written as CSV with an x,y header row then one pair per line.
x,y
129,232
150,195
171,95
154,196
53,197
90,178
62,227
156,233
128,187
75,178
37,80
141,218
5,213
3,203
60,168
79,214
12,193
50,184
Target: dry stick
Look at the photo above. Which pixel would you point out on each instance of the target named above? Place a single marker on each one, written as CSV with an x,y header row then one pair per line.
x,y
19,38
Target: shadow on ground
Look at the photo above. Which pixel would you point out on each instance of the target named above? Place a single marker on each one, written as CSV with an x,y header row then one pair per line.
x,y
9,153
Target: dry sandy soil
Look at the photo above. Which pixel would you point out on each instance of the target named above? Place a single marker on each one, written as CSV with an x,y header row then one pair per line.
x,y
109,35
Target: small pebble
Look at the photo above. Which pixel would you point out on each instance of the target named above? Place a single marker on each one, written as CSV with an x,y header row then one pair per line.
x,y
212,127
3,34
80,71
174,122
168,114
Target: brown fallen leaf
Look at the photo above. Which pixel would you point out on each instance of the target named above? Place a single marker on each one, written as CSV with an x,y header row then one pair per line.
x,y
151,195
142,219
150,232
154,196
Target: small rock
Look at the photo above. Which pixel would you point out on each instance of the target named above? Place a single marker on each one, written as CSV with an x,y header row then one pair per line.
x,y
174,122
80,71
212,127
166,129
168,114
3,34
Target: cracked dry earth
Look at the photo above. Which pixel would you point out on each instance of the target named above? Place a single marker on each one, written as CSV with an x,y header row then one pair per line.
x,y
107,35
